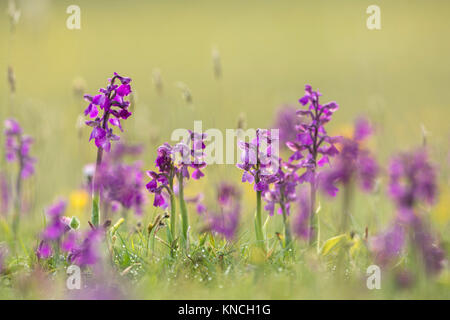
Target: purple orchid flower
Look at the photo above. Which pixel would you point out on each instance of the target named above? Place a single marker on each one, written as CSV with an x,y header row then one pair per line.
x,y
44,250
58,235
302,227
412,179
121,184
56,226
87,253
174,162
313,141
227,193
388,245
412,183
286,121
226,221
111,101
282,193
353,163
259,161
17,147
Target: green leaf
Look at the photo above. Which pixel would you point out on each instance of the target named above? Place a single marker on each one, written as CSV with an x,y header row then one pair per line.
x,y
265,226
332,244
202,239
211,240
116,226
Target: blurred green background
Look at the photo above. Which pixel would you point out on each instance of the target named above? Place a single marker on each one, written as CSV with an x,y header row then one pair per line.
x,y
269,50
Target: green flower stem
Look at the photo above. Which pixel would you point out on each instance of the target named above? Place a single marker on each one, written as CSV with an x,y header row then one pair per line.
x,y
287,229
258,220
312,217
95,216
183,210
173,216
171,232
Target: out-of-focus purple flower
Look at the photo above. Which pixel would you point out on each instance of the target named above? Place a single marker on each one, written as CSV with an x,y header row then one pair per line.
x,y
112,101
302,227
352,163
44,250
17,147
312,139
12,127
227,193
56,226
69,244
363,129
122,149
226,222
88,253
198,201
57,209
388,246
115,206
412,179
286,122
432,254
55,230
404,279
122,183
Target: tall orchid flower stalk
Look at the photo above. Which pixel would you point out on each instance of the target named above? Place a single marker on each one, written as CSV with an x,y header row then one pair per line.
x,y
282,193
192,156
412,185
17,147
257,161
353,164
313,147
111,101
174,162
164,181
